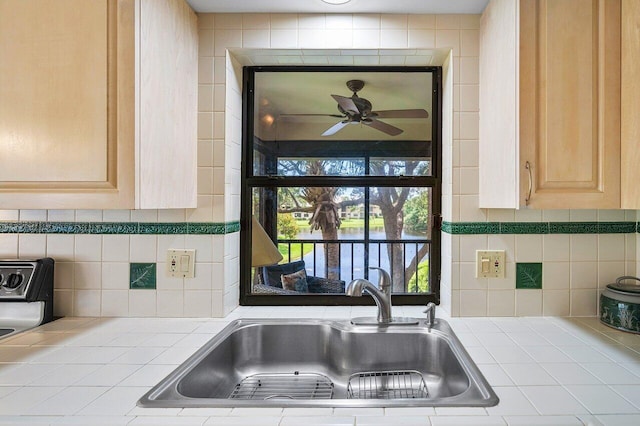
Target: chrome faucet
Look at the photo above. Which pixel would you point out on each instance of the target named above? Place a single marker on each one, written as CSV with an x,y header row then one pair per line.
x,y
431,313
381,294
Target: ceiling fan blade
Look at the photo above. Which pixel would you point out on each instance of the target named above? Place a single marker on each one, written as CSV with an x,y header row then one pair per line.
x,y
311,115
402,113
347,104
335,128
383,127
308,117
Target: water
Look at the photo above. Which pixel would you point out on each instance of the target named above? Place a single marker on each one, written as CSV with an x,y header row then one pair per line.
x,y
352,255
376,233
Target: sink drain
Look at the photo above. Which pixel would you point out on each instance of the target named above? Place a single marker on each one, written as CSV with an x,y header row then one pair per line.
x,y
387,385
294,385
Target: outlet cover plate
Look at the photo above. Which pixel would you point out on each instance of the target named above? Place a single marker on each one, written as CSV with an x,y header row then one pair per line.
x,y
490,263
181,263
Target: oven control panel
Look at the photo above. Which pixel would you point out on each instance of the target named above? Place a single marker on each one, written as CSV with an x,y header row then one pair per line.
x,y
15,279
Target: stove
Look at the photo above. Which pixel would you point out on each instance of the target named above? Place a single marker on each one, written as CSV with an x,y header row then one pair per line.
x,y
26,294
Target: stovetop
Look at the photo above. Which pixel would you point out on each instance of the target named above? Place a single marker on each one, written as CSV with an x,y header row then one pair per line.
x,y
15,278
26,294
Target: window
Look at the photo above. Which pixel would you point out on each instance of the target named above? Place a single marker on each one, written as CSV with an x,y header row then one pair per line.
x,y
342,170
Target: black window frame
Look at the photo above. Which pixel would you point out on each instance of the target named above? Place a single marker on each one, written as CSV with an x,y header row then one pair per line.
x,y
248,182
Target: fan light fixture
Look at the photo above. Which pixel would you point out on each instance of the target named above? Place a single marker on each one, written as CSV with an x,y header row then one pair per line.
x,y
336,1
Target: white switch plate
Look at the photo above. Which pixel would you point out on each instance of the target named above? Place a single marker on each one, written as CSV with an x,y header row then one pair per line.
x,y
181,263
490,263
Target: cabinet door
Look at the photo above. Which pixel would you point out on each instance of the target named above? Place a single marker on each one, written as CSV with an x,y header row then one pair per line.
x,y
630,120
67,103
570,103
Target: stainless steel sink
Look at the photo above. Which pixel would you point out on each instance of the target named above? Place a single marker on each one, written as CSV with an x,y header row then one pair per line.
x,y
322,363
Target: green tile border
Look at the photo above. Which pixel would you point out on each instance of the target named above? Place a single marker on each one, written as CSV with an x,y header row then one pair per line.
x,y
214,228
524,228
130,228
476,228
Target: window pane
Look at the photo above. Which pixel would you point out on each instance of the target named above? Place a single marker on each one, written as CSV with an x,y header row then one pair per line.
x,y
400,234
400,213
400,167
324,231
297,118
320,167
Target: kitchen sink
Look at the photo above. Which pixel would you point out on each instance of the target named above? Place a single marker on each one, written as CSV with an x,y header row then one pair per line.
x,y
323,363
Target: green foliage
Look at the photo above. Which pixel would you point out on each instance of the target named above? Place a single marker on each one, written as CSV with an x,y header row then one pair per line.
x,y
416,213
423,279
296,252
287,226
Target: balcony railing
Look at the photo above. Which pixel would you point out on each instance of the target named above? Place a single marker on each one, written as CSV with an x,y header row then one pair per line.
x,y
356,256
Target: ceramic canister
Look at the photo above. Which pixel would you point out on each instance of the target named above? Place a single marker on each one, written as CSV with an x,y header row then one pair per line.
x,y
620,305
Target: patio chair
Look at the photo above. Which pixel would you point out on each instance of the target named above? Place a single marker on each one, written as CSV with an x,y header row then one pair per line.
x,y
271,280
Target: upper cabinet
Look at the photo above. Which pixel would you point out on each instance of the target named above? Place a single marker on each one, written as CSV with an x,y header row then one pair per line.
x,y
550,90
630,113
98,104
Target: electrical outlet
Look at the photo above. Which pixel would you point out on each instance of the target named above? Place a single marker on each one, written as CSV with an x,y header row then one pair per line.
x,y
490,263
181,263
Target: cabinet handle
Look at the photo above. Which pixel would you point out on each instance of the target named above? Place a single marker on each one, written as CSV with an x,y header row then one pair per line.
x,y
528,167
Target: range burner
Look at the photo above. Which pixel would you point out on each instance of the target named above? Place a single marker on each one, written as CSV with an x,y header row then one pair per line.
x,y
26,294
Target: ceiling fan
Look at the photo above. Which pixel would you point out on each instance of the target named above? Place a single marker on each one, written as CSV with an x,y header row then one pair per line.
x,y
356,110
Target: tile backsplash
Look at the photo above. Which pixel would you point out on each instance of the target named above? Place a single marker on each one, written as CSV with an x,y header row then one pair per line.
x,y
93,268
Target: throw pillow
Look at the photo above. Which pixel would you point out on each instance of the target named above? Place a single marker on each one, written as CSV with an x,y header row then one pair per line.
x,y
296,281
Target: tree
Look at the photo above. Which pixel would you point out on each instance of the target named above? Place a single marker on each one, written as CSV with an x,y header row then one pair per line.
x,y
323,204
287,226
391,202
417,213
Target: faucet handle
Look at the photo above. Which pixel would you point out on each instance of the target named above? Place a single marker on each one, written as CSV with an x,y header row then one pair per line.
x,y
431,313
384,279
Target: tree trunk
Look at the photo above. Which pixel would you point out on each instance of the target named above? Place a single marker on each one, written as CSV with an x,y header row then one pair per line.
x,y
332,253
393,224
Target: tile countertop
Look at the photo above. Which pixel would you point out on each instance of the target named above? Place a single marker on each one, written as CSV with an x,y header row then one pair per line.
x,y
546,371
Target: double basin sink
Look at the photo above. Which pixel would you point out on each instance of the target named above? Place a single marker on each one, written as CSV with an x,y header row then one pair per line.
x,y
323,363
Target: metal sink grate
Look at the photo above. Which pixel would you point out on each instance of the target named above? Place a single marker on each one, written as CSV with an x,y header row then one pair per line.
x,y
284,386
405,384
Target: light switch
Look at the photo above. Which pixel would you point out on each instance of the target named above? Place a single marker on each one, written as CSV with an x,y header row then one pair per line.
x,y
184,263
181,263
490,263
485,264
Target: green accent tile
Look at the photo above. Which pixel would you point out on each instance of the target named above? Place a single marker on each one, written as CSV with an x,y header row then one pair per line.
x,y
116,228
231,227
573,227
122,228
447,227
206,228
167,228
472,228
524,228
20,227
87,228
529,275
616,227
142,276
59,228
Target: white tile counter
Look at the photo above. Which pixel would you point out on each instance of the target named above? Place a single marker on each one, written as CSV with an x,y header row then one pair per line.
x,y
546,371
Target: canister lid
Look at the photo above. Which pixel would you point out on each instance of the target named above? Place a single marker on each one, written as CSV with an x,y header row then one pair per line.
x,y
629,287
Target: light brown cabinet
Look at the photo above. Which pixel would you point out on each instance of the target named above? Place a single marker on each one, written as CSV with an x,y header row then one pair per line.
x,y
630,134
550,104
98,104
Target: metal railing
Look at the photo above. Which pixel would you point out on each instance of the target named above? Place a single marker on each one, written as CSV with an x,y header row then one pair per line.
x,y
355,257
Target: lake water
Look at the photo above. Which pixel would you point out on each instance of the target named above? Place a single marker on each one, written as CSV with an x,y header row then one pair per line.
x,y
352,255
